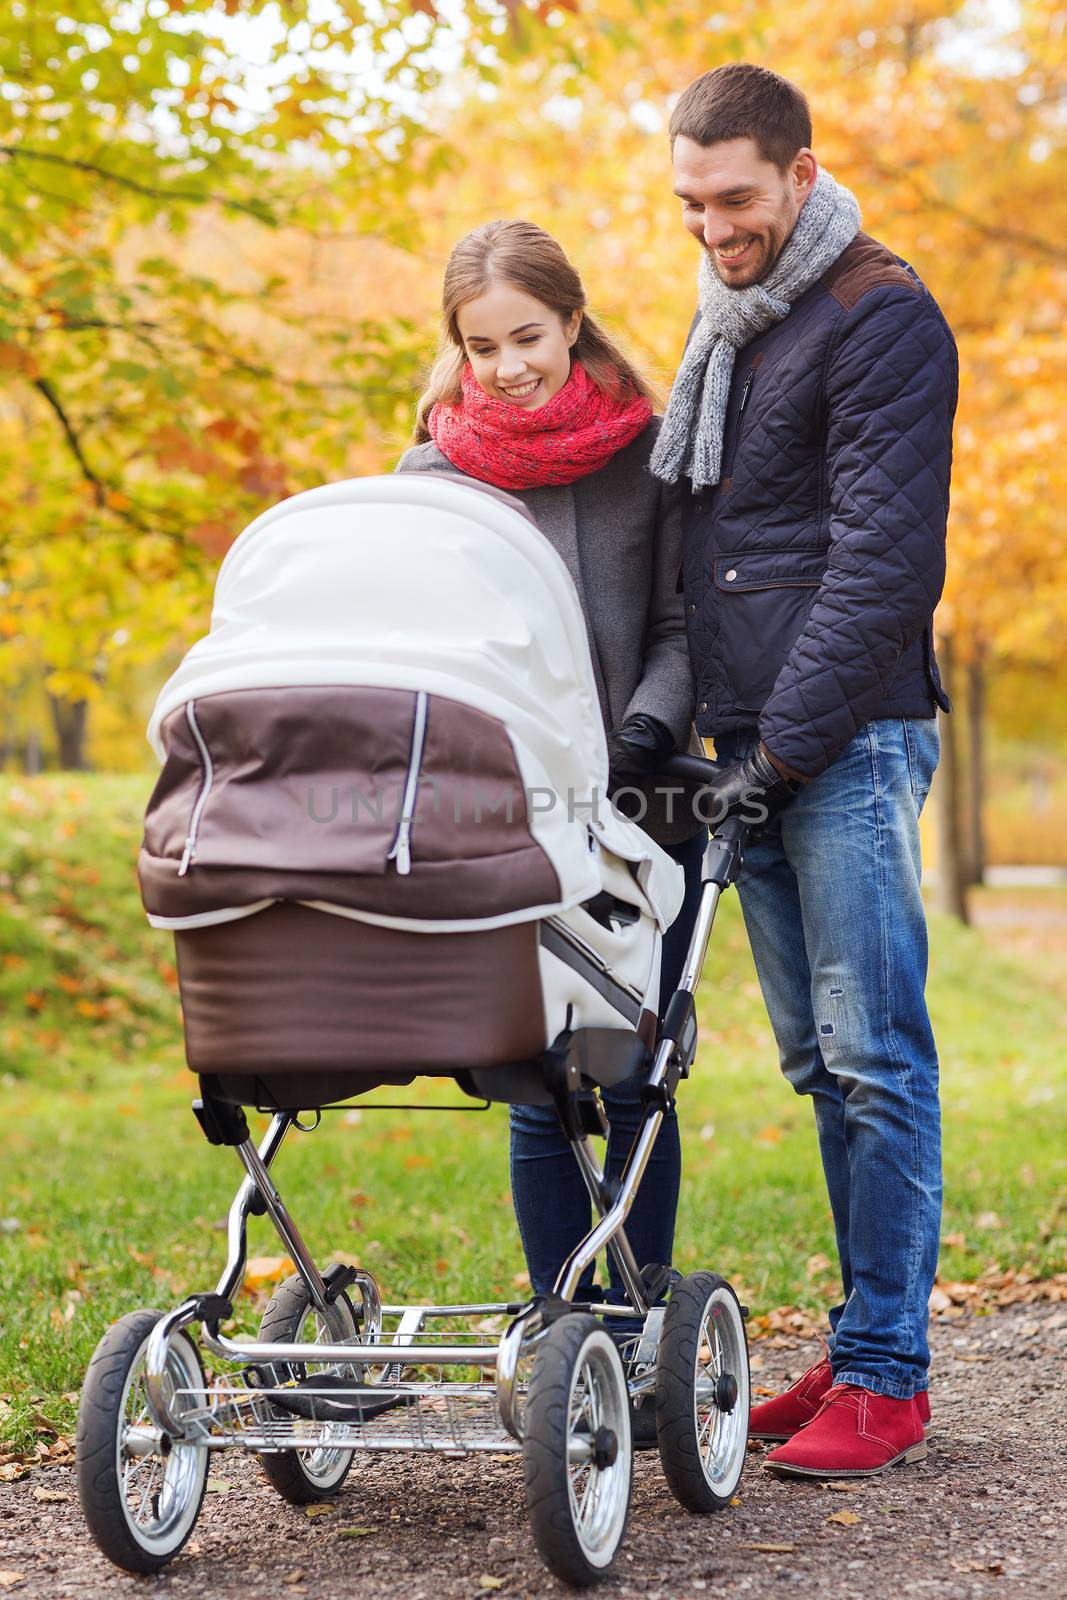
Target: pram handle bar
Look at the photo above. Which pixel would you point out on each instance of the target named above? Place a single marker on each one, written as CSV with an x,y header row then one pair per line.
x,y
697,769
722,860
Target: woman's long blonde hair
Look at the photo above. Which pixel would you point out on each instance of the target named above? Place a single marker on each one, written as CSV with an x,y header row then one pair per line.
x,y
528,258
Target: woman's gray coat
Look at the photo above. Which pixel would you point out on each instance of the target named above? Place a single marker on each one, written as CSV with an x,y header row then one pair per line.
x,y
619,534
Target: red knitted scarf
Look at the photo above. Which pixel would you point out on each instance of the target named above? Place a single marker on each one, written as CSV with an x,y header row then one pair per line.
x,y
575,433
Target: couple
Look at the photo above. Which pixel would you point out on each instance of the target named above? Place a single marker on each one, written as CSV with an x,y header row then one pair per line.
x,y
787,513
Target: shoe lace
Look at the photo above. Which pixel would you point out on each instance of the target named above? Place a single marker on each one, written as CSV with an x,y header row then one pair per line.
x,y
843,1395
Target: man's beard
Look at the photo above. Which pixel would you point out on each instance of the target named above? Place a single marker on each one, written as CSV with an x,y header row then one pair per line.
x,y
772,247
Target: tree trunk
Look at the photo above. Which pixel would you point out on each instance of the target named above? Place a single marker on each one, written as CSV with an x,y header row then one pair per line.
x,y
70,720
975,796
952,893
33,762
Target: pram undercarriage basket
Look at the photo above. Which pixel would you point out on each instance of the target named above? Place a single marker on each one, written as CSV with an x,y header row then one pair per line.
x,y
323,951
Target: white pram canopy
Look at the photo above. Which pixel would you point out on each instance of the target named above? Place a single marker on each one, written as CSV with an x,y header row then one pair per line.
x,y
434,587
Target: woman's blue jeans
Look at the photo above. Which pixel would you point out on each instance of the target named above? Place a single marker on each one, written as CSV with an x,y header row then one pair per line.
x,y
830,895
551,1201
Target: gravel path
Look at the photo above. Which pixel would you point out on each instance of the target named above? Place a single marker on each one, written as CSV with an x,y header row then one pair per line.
x,y
984,1515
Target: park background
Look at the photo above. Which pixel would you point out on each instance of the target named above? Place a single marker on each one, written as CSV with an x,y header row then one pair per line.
x,y
222,232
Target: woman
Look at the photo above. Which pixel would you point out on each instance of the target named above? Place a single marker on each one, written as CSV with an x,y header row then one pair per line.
x,y
531,396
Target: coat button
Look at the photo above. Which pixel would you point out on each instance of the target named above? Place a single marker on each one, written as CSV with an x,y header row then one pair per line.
x,y
731,575
703,705
691,610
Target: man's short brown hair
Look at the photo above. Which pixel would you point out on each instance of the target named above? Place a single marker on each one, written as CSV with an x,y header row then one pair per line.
x,y
740,101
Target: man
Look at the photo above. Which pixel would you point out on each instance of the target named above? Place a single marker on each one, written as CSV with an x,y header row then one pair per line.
x,y
810,426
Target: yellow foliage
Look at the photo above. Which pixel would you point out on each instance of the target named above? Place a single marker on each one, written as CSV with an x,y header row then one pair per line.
x,y
946,123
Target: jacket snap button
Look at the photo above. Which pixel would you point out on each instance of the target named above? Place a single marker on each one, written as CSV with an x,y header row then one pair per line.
x,y
731,575
703,705
691,610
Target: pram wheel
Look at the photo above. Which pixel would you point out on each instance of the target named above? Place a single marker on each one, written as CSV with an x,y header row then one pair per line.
x,y
702,1392
304,1476
140,1494
576,1451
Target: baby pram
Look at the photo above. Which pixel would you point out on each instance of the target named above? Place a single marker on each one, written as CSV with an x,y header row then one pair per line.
x,y
381,839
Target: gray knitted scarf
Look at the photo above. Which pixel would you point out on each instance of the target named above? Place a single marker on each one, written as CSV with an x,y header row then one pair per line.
x,y
690,438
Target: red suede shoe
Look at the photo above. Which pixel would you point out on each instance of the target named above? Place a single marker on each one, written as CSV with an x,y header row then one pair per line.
x,y
778,1419
856,1434
787,1413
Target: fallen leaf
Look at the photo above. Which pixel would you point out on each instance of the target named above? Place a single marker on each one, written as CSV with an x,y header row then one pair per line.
x,y
766,1394
987,1219
486,1582
847,1519
355,1533
294,1576
263,1271
736,1501
8,1578
770,1549
939,1300
218,1486
322,1509
52,1497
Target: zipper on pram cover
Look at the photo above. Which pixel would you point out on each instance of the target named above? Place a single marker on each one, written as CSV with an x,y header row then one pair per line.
x,y
401,850
201,799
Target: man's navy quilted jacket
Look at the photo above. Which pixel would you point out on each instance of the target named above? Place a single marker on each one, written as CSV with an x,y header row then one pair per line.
x,y
811,571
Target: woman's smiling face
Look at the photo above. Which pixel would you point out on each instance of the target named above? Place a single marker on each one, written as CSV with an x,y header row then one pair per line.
x,y
519,349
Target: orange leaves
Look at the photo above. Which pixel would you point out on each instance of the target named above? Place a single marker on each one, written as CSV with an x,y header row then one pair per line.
x,y
264,1272
175,450
262,477
785,1319
13,358
214,536
95,1010
998,1288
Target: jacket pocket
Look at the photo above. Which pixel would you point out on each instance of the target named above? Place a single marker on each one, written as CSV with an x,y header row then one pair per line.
x,y
763,599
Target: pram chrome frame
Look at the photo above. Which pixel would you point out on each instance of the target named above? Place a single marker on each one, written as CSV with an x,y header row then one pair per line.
x,y
258,1193
288,1402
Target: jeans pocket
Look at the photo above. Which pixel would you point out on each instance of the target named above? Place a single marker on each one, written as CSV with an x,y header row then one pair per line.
x,y
922,740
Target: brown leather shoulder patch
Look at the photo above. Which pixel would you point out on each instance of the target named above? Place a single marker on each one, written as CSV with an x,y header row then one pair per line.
x,y
862,265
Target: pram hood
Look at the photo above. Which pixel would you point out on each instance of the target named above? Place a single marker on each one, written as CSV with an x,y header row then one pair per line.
x,y
425,585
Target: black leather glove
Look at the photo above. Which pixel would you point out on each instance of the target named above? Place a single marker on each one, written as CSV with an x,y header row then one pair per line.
x,y
752,789
637,749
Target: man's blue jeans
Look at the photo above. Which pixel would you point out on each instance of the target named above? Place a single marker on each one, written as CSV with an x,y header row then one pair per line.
x,y
830,896
551,1201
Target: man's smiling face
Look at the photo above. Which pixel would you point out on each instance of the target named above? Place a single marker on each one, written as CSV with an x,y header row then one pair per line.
x,y
739,206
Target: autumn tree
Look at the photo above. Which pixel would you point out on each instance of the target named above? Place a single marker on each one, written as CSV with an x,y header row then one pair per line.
x,y
159,388
174,358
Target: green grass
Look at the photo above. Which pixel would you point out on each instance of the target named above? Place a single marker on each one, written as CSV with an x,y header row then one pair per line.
x,y
118,1199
